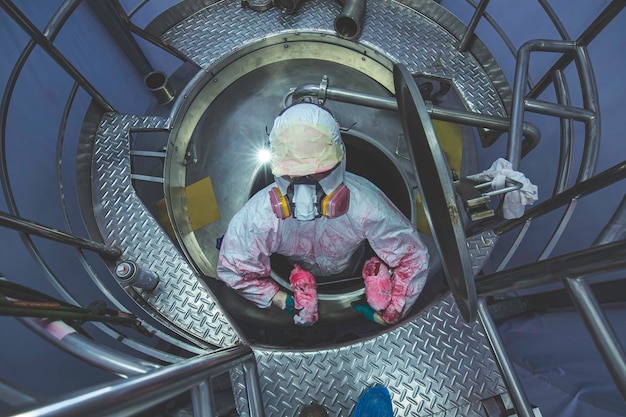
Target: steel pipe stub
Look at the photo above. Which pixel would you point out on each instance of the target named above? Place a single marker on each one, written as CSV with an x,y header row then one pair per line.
x,y
158,84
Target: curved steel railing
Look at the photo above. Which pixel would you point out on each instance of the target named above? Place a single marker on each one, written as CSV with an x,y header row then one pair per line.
x,y
139,393
26,227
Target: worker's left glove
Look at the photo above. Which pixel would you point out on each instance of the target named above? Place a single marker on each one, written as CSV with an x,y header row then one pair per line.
x,y
394,310
304,296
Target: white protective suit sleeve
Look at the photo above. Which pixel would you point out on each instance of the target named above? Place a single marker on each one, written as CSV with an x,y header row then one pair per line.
x,y
396,242
244,259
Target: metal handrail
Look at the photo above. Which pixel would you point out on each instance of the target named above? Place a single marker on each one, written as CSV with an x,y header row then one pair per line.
x,y
467,36
512,380
139,393
566,151
606,342
616,226
530,132
30,28
41,230
74,343
598,326
595,183
594,319
519,103
14,396
607,257
605,17
526,102
507,42
50,32
570,269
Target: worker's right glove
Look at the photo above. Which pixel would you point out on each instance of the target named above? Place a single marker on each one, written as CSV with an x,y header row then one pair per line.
x,y
304,297
377,283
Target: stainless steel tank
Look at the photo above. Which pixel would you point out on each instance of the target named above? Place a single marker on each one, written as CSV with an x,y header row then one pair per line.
x,y
225,115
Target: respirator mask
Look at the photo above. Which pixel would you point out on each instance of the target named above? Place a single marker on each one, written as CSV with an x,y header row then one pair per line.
x,y
308,198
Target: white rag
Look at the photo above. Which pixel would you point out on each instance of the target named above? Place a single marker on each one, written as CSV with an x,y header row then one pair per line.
x,y
514,201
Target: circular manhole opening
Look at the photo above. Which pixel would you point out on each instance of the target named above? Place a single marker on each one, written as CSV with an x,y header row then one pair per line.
x,y
365,159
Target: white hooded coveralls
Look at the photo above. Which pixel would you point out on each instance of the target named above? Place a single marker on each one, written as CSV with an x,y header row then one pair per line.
x,y
322,246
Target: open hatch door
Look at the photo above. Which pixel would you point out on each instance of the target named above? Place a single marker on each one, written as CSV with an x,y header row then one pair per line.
x,y
437,192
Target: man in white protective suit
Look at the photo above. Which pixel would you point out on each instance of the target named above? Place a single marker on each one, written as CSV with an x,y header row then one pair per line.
x,y
319,217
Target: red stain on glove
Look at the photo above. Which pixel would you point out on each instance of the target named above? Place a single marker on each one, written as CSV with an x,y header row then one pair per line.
x,y
393,312
304,296
377,283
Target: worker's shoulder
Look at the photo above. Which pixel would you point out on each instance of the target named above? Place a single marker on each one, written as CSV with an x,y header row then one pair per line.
x,y
258,204
362,187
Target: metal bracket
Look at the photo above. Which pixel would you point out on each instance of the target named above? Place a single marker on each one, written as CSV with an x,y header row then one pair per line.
x,y
321,95
475,201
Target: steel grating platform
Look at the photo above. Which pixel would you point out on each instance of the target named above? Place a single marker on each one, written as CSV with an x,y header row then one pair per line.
x,y
180,298
433,365
390,28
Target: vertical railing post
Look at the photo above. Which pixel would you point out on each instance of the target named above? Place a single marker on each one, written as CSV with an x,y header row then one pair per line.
x,y
202,400
253,388
469,32
516,390
598,326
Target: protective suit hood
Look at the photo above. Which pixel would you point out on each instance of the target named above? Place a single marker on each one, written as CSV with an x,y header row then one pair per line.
x,y
305,140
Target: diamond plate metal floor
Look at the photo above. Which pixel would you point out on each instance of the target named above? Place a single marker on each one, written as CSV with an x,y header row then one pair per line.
x,y
391,28
124,222
433,365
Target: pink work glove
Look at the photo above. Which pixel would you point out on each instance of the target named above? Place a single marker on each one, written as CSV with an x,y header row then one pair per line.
x,y
393,312
377,283
304,295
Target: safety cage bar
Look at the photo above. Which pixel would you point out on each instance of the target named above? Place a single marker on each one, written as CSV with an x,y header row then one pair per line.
x,y
139,393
